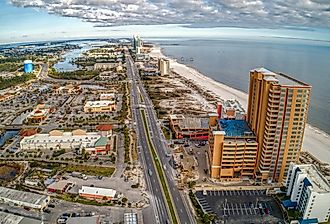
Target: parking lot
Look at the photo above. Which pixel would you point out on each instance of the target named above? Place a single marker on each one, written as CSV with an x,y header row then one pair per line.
x,y
240,206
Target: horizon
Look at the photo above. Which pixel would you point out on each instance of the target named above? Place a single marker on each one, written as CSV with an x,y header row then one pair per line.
x,y
34,23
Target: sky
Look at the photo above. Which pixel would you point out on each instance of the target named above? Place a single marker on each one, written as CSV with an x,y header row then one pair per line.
x,y
34,20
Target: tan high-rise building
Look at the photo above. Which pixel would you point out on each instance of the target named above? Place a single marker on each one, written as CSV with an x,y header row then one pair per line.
x,y
232,149
277,113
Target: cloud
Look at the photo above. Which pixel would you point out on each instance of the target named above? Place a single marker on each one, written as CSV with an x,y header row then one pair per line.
x,y
262,13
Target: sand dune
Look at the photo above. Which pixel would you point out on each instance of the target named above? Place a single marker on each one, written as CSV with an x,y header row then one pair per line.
x,y
315,141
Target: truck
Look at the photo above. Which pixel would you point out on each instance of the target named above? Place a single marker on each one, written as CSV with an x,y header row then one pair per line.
x,y
79,175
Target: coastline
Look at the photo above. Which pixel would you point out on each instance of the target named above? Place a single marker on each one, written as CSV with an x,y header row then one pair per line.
x,y
315,141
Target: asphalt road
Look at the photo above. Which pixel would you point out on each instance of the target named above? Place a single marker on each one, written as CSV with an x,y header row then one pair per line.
x,y
179,200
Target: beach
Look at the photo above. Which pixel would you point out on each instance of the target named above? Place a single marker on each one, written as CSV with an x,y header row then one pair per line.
x,y
315,141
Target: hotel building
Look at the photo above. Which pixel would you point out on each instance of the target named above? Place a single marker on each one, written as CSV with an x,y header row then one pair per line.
x,y
309,192
277,113
232,149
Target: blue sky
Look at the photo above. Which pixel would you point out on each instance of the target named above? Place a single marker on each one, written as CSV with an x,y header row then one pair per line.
x,y
25,20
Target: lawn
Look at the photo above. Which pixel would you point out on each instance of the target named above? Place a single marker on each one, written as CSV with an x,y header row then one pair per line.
x,y
91,170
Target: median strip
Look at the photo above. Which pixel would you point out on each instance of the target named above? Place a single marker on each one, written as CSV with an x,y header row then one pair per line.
x,y
160,172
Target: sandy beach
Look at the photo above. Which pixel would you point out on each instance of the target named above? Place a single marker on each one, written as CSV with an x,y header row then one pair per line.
x,y
316,141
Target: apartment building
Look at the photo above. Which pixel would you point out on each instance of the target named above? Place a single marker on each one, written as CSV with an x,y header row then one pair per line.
x,y
232,149
277,113
309,192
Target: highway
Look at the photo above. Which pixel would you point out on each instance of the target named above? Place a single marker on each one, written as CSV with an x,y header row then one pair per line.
x,y
154,186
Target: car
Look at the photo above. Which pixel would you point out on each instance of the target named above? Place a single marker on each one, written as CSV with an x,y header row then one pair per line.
x,y
267,211
100,177
47,210
150,172
61,220
51,206
261,211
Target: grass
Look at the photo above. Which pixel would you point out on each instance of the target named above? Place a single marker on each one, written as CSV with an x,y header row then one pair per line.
x,y
91,170
167,133
160,173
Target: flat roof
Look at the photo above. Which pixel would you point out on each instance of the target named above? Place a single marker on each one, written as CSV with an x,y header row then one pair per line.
x,y
22,196
82,220
318,181
16,219
281,78
194,122
60,185
235,128
97,191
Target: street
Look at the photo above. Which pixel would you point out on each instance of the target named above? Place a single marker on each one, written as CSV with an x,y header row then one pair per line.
x,y
180,202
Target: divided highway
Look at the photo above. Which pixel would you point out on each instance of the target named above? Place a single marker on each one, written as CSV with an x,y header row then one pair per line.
x,y
161,212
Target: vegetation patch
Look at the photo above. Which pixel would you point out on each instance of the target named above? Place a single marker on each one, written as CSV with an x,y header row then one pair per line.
x,y
91,170
75,75
160,173
6,83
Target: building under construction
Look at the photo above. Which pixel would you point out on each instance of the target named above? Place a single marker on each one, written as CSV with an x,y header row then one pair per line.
x,y
193,128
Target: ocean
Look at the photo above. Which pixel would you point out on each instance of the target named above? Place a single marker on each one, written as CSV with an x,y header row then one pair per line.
x,y
230,60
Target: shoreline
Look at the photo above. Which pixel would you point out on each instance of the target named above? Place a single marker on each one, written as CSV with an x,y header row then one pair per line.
x,y
315,141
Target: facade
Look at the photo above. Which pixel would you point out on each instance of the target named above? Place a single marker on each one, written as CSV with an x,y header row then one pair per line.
x,y
137,42
277,113
232,149
189,127
92,142
28,66
24,199
309,192
97,193
100,106
164,66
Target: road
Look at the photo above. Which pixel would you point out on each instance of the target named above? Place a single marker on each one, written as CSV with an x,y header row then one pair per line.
x,y
179,200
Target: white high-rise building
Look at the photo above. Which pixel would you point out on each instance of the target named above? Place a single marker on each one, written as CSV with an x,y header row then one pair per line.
x,y
309,192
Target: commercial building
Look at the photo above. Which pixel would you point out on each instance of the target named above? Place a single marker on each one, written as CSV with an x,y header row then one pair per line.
x,y
164,66
277,113
108,96
232,149
60,186
100,106
39,114
91,142
28,66
97,193
83,220
309,192
24,199
7,218
68,89
189,127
